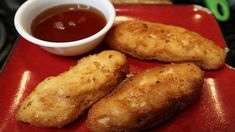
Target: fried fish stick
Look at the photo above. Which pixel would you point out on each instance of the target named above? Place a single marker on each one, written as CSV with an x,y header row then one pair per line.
x,y
166,43
147,99
57,101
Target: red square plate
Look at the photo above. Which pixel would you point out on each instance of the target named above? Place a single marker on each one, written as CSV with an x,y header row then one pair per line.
x,y
214,111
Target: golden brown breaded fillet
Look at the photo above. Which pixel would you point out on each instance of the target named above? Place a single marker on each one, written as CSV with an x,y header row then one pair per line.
x,y
147,99
57,101
155,41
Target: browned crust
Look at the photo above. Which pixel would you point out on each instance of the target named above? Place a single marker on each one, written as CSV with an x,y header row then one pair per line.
x,y
57,101
166,43
163,96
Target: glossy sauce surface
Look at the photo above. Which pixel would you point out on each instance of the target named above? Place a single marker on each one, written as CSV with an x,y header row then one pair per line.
x,y
213,112
69,22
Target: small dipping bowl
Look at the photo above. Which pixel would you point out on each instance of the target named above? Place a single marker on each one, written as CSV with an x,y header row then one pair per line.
x,y
28,11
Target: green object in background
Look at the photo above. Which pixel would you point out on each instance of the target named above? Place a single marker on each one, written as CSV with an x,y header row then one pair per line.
x,y
221,15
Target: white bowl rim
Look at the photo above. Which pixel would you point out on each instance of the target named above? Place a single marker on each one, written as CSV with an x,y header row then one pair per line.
x,y
44,43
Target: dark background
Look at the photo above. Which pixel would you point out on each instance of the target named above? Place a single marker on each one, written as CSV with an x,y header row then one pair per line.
x,y
8,34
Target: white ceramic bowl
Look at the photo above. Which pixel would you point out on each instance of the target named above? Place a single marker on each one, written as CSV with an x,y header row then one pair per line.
x,y
31,8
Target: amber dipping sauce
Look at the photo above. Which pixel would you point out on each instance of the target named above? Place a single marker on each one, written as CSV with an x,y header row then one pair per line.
x,y
67,22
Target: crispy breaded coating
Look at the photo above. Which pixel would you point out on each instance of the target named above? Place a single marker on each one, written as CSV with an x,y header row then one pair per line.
x,y
147,99
166,43
57,101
